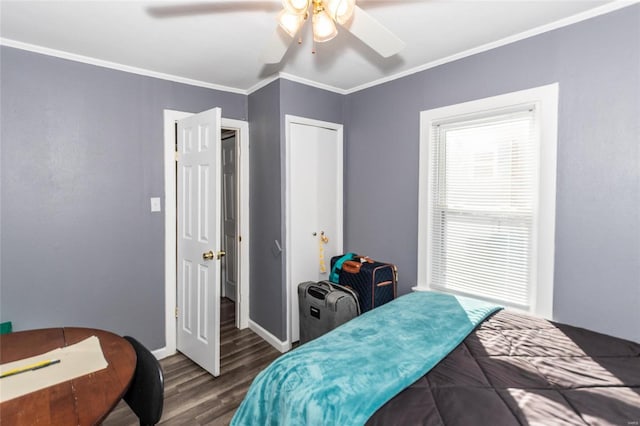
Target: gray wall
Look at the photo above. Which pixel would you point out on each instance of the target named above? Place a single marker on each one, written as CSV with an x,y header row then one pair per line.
x,y
267,289
267,109
309,102
597,63
82,153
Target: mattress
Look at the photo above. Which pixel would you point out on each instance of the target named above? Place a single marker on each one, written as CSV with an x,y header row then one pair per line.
x,y
519,370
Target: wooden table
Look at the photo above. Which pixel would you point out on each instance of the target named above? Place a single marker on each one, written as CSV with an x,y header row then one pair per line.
x,y
85,400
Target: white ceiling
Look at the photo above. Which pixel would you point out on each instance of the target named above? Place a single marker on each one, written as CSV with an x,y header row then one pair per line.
x,y
218,43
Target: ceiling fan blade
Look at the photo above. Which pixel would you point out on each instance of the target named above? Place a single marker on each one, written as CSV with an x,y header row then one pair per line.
x,y
374,34
276,47
212,7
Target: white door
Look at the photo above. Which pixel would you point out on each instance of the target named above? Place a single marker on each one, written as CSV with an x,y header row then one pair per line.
x,y
229,216
315,205
198,192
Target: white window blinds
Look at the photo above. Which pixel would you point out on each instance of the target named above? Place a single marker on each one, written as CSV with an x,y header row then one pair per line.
x,y
484,176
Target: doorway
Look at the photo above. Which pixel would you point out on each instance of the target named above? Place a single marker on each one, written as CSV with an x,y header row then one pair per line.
x,y
314,205
229,231
240,129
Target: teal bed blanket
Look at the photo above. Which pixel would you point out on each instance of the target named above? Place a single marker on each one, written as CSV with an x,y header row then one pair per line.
x,y
344,376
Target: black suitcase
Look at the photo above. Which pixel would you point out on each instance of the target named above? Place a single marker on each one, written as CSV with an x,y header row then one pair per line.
x,y
375,282
323,306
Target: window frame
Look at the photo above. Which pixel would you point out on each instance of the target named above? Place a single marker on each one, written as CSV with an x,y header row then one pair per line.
x,y
545,101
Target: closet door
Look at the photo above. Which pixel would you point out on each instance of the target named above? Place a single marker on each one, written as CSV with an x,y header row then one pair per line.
x,y
314,225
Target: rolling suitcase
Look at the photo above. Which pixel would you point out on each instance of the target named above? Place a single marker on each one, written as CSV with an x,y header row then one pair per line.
x,y
374,282
323,306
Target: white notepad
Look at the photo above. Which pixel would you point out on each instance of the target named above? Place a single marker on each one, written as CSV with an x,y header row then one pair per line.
x,y
76,360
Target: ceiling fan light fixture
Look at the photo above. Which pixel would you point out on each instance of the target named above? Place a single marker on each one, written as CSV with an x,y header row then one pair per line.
x,y
341,10
290,22
297,7
324,29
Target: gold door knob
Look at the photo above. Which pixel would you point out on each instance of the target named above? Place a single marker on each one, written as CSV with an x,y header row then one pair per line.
x,y
208,255
221,254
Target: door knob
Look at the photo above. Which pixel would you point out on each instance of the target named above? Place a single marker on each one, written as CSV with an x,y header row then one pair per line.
x,y
221,254
208,255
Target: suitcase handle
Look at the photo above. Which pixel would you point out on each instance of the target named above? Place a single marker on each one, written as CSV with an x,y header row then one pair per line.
x,y
317,292
351,267
346,289
384,283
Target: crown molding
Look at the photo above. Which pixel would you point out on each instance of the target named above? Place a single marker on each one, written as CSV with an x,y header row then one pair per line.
x,y
583,16
262,83
296,79
312,83
115,66
592,13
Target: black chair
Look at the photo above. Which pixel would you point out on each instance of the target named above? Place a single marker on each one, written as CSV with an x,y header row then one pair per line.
x,y
146,392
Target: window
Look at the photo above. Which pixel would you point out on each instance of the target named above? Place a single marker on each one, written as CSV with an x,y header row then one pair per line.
x,y
487,199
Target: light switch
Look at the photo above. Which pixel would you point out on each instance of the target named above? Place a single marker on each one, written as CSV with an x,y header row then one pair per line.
x,y
155,204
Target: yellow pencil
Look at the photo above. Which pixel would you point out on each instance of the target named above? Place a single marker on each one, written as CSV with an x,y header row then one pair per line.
x,y
30,367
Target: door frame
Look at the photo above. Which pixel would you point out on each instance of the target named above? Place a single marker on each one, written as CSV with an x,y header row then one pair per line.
x,y
289,120
170,267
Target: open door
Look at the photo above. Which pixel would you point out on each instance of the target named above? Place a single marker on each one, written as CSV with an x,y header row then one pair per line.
x,y
198,239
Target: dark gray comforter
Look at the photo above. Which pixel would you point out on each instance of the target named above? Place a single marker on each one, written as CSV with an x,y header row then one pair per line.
x,y
518,370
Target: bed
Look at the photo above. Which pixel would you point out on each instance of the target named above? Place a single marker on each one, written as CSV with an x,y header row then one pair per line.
x,y
515,369
506,369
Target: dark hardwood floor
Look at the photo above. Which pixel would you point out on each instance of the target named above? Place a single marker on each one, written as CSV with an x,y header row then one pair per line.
x,y
194,397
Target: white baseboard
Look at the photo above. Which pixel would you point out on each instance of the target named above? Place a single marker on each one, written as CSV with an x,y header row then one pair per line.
x,y
162,353
269,338
281,346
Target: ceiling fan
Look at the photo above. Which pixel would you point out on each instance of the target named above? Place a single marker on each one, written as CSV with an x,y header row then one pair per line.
x,y
325,14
